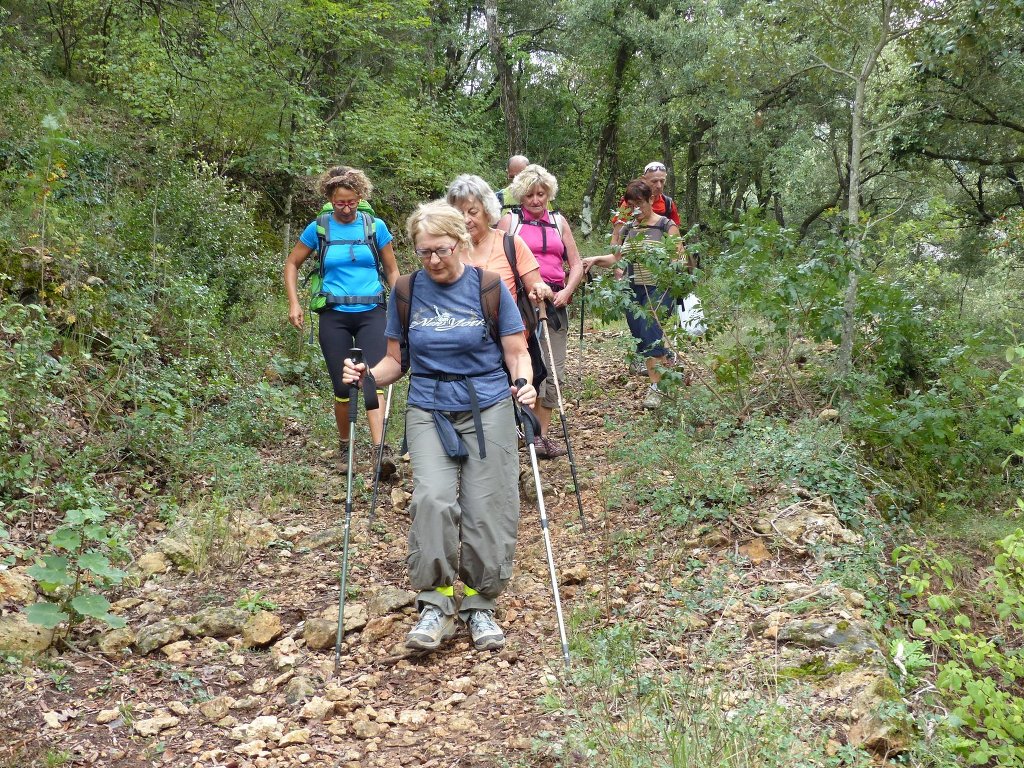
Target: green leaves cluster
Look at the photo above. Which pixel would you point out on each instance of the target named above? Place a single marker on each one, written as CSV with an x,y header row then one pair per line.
x,y
81,569
981,657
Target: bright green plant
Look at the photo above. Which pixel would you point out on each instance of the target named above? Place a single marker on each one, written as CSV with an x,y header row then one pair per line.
x,y
254,601
77,570
981,667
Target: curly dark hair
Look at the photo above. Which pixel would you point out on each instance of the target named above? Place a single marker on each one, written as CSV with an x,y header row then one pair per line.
x,y
341,176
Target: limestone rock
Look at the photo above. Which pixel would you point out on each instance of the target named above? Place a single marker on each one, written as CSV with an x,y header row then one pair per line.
x,y
298,689
178,708
152,563
261,629
265,727
885,728
714,539
157,635
179,552
176,651
576,574
153,725
16,586
317,708
216,709
284,653
387,600
755,551
105,716
253,748
377,629
114,642
217,622
413,717
294,532
18,634
300,736
829,414
367,729
854,637
400,499
332,537
319,634
356,616
813,525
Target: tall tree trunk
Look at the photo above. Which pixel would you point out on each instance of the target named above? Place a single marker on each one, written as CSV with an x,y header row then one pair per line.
x,y
607,144
691,199
854,239
506,79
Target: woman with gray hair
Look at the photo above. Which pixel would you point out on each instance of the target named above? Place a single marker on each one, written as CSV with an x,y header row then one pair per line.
x,y
460,428
488,250
548,235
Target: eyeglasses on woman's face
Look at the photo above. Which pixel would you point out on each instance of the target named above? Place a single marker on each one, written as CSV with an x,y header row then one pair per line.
x,y
442,253
345,205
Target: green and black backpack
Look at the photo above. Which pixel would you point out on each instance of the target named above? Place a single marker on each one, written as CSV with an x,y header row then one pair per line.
x,y
320,300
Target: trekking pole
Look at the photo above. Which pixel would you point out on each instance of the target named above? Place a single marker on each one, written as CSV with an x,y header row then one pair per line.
x,y
380,456
583,312
356,355
531,428
543,312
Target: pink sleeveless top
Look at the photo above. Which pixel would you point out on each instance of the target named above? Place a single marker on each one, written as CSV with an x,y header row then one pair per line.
x,y
544,239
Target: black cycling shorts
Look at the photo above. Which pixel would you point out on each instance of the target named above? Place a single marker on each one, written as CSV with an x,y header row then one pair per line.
x,y
337,332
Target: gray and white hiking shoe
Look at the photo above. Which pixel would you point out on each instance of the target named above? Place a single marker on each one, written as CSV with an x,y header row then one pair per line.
x,y
430,630
653,399
486,634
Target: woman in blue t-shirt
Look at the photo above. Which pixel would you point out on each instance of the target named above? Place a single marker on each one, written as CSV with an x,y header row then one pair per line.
x,y
353,284
460,426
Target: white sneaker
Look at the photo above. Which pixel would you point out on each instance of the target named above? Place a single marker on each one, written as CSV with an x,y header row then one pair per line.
x,y
653,399
486,634
430,630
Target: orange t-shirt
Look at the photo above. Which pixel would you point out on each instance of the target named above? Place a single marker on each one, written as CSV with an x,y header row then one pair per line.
x,y
526,262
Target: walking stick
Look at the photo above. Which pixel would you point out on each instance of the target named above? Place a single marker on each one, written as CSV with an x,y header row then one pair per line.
x,y
583,312
356,355
380,456
543,312
531,428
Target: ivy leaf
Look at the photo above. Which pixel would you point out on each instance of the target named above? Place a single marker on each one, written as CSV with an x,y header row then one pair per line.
x,y
52,573
66,538
46,615
91,604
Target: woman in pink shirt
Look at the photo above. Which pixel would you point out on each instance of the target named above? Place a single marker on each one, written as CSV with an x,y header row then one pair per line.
x,y
549,237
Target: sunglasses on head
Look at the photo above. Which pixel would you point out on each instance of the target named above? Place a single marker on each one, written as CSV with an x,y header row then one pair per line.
x,y
655,167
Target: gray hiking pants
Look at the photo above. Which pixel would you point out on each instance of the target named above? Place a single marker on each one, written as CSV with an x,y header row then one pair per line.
x,y
465,514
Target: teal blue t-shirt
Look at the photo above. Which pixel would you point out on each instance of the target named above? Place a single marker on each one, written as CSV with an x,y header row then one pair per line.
x,y
349,270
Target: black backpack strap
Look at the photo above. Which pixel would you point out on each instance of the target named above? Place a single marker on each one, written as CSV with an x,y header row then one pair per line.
x,y
490,300
669,202
510,254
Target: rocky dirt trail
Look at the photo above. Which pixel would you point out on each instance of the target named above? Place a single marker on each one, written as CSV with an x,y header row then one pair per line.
x,y
195,680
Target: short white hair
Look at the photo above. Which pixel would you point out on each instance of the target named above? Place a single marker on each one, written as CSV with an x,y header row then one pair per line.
x,y
468,188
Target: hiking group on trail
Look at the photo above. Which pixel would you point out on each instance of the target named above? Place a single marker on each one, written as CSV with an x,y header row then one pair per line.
x,y
467,330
